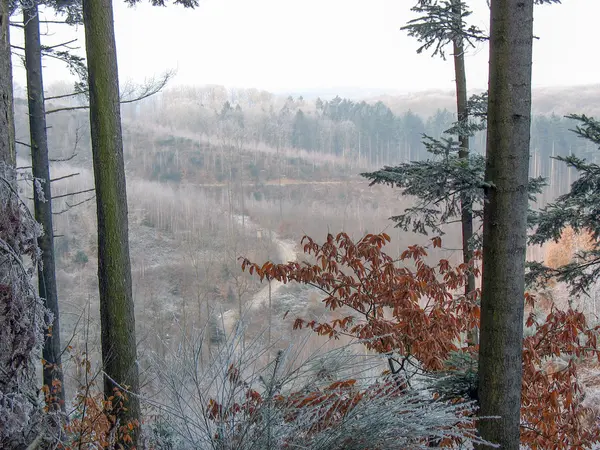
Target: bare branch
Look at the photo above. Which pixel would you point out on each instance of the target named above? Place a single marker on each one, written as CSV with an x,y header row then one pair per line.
x,y
150,88
62,211
68,158
22,143
73,193
64,44
68,108
72,94
63,177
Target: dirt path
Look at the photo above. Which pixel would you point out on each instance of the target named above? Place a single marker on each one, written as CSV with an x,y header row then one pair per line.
x,y
287,252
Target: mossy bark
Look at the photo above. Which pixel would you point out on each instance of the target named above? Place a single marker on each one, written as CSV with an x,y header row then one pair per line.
x,y
505,221
114,269
51,354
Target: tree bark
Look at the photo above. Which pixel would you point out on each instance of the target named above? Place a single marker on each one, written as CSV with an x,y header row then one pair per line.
x,y
114,267
466,218
7,127
505,220
52,371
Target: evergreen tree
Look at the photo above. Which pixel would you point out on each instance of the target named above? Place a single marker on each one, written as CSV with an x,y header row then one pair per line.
x,y
578,209
119,357
42,196
114,267
505,222
440,24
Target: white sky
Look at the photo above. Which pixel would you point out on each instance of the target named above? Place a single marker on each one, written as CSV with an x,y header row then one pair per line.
x,y
281,45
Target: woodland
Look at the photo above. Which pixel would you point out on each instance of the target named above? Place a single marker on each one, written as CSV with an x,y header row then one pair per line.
x,y
197,267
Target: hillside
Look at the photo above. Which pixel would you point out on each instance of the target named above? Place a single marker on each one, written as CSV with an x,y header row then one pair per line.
x,y
207,187
559,100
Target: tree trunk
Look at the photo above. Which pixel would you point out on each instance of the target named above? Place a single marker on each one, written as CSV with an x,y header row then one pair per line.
x,y
114,270
505,220
7,127
466,218
52,371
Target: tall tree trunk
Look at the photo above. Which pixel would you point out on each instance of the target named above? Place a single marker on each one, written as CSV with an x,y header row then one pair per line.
x,y
21,314
52,371
7,127
114,268
463,153
505,220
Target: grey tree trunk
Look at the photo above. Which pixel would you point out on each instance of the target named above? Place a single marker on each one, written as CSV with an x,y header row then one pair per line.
x,y
114,267
505,220
7,127
43,206
466,218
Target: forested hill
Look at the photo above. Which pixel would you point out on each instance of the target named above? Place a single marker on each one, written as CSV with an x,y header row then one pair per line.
x,y
312,139
357,133
546,100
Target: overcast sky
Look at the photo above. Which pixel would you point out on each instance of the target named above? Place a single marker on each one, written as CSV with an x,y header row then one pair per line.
x,y
282,45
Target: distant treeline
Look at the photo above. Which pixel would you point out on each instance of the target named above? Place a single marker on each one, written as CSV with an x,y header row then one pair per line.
x,y
369,133
365,134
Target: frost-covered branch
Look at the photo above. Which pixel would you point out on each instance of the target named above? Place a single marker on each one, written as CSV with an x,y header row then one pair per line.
x,y
23,319
252,397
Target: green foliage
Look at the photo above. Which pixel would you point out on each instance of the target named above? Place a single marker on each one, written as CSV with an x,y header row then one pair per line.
x,y
70,10
477,117
442,22
165,167
579,209
80,257
459,379
438,183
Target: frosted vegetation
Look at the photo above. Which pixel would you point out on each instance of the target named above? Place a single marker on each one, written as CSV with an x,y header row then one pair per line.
x,y
204,190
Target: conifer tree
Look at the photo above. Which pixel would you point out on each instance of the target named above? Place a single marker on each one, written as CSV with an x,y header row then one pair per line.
x,y
442,23
505,222
52,371
578,209
119,355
